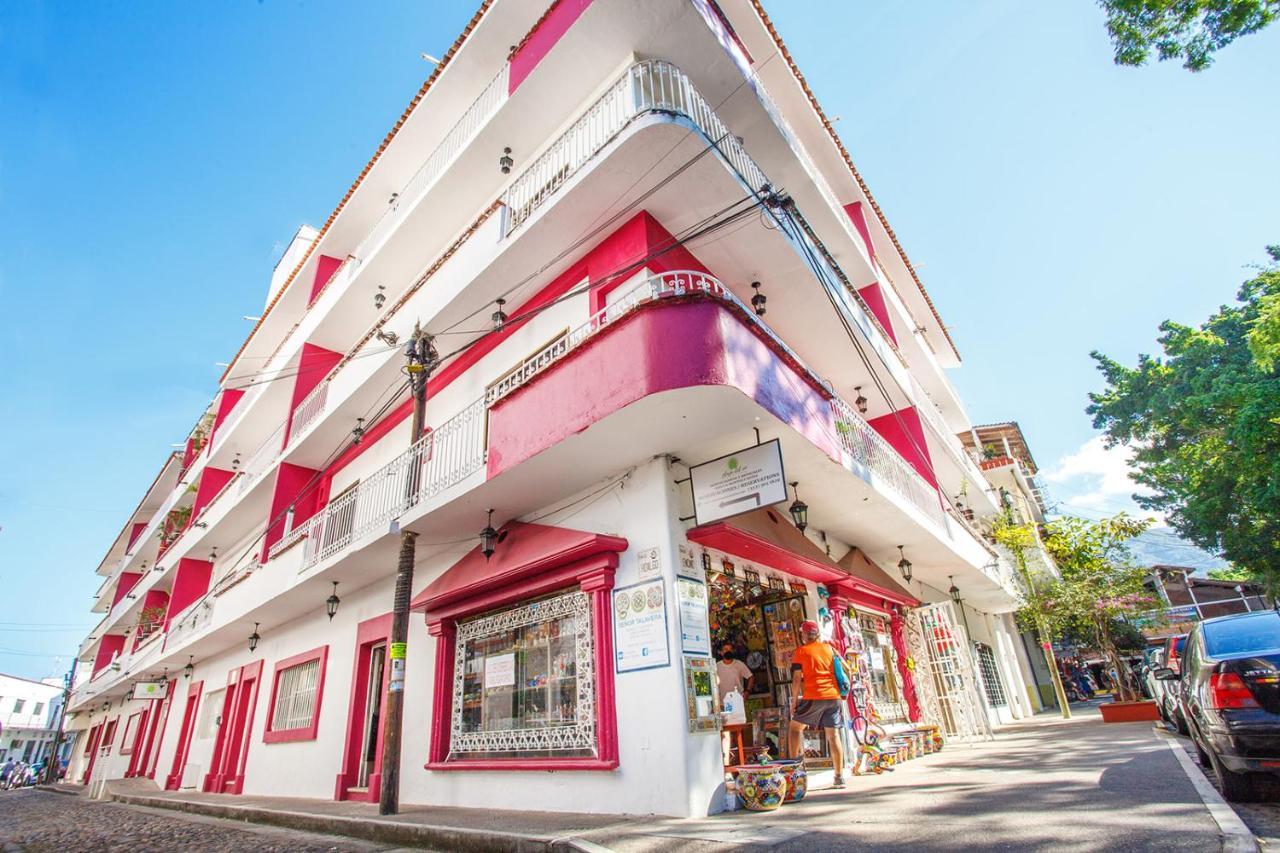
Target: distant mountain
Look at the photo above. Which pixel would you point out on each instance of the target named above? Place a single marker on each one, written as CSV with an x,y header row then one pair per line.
x,y
1162,546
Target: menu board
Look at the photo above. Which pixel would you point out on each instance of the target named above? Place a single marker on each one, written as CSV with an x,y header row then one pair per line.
x,y
640,627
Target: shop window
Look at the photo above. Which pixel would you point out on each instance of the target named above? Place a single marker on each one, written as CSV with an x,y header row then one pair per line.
x,y
524,683
210,710
295,697
991,676
881,667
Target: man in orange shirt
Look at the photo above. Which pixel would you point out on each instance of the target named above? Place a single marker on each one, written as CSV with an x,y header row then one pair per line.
x,y
816,695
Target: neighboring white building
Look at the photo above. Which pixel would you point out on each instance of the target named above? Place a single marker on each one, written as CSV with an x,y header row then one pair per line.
x,y
28,717
639,247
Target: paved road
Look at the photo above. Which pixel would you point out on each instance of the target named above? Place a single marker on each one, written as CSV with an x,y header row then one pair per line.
x,y
1262,818
42,822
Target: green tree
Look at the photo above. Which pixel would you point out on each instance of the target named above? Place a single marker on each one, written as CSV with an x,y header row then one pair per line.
x,y
1099,590
1203,421
1190,30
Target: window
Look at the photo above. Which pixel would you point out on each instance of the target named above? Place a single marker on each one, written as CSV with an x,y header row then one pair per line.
x,y
130,734
991,676
879,667
523,682
38,709
1244,635
16,744
18,705
295,697
210,709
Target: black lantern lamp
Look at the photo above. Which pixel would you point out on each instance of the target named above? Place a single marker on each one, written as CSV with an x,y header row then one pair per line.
x,y
488,538
235,463
499,316
331,603
189,668
505,162
904,565
758,301
380,298
860,402
357,434
254,638
955,590
799,509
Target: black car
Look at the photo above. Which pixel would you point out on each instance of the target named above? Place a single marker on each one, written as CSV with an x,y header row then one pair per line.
x,y
1229,695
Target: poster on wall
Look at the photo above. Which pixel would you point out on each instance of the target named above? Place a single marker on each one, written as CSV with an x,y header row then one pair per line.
x,y
738,483
695,627
640,627
150,690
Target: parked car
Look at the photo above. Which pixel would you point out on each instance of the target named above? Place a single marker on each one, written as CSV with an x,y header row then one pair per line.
x,y
1229,695
1164,692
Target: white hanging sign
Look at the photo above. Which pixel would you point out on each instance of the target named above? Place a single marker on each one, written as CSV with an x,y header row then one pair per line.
x,y
738,483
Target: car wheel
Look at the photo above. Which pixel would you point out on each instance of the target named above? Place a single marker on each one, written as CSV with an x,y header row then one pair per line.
x,y
1164,714
1180,722
1235,787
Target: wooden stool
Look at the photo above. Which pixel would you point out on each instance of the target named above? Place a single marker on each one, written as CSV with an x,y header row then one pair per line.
x,y
734,731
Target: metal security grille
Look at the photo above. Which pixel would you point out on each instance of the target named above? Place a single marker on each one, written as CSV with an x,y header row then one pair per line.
x,y
295,697
944,672
991,682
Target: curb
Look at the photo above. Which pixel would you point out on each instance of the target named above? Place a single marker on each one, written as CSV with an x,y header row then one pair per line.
x,y
394,832
54,789
1236,836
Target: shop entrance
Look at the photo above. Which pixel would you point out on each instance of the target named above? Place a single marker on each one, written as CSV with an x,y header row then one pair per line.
x,y
761,618
360,777
230,750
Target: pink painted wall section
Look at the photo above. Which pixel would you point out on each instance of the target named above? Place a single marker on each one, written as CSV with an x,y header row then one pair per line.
x,y
903,430
226,403
111,645
126,582
660,348
325,268
134,534
190,582
859,219
212,481
642,241
554,24
155,598
314,365
297,487
874,297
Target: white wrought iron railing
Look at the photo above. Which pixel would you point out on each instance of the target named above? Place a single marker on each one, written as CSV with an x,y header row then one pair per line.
x,y
261,459
311,408
868,448
439,460
643,88
454,143
189,623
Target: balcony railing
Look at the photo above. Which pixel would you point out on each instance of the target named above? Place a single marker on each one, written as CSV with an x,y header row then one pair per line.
x,y
311,408
441,459
190,623
261,460
645,87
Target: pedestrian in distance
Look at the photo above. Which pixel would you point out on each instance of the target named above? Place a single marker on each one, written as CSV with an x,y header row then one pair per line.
x,y
815,693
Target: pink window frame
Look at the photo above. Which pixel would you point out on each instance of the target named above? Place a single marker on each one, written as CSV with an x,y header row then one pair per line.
x,y
307,732
594,576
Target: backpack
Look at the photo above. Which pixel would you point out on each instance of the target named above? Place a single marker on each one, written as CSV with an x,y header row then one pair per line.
x,y
842,677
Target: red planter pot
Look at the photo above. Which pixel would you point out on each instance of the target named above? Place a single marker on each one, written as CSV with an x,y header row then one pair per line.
x,y
1129,712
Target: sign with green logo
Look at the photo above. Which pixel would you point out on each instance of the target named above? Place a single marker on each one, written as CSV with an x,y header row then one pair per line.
x,y
738,483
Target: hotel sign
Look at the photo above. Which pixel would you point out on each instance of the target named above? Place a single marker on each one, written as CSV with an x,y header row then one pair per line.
x,y
738,483
150,690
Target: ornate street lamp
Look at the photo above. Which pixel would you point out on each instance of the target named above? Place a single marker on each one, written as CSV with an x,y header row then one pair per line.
x,y
189,668
955,590
860,402
254,638
488,538
758,301
799,509
505,162
904,565
499,317
331,603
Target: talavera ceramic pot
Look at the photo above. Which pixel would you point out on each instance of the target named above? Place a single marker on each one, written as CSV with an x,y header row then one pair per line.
x,y
797,778
762,787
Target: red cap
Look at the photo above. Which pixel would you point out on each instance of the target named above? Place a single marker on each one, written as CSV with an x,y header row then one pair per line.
x,y
809,625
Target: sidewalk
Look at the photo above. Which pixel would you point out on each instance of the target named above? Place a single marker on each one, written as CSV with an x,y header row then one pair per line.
x,y
1046,784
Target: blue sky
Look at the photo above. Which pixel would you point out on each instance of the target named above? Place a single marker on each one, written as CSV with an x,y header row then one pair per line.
x,y
154,157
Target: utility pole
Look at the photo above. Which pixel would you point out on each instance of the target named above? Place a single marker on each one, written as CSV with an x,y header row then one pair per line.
x,y
52,764
422,358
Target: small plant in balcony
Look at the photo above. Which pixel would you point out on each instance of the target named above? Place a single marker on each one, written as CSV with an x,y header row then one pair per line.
x,y
149,620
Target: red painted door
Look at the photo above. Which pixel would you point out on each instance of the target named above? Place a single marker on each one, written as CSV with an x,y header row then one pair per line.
x,y
91,751
174,780
231,749
139,738
361,775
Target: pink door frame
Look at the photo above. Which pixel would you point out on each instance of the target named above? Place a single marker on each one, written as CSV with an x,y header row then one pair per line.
x,y
231,749
369,634
174,780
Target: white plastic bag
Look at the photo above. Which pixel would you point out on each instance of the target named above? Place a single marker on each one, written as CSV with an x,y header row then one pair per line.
x,y
735,710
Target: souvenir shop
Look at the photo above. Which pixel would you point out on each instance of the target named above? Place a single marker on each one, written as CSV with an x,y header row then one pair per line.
x,y
764,580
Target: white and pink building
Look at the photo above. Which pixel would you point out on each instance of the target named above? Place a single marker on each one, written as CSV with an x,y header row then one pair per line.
x,y
583,205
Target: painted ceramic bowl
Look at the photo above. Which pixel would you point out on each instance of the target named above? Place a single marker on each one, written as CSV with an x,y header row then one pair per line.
x,y
797,778
762,787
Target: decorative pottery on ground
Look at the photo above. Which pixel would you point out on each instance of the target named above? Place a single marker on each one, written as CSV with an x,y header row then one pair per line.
x,y
762,787
797,778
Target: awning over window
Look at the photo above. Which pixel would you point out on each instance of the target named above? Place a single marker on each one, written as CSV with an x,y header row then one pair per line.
x,y
764,537
522,551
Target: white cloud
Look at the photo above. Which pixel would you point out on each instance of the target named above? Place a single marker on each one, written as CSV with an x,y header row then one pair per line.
x,y
1096,479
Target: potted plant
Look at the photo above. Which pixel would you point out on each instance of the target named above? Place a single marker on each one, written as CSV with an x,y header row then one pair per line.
x,y
149,620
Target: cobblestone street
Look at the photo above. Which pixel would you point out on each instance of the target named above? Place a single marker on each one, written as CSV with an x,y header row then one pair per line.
x,y
43,822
